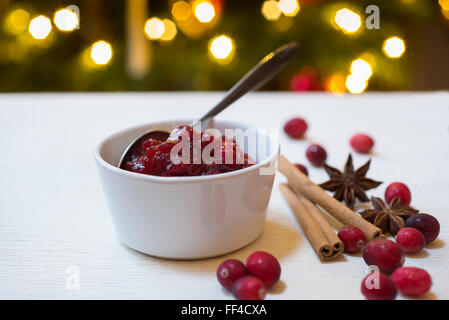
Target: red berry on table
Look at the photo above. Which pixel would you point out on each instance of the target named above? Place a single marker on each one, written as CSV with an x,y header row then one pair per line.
x,y
295,128
411,240
316,154
361,143
302,168
412,281
248,288
353,238
229,271
427,224
378,286
264,266
385,254
398,190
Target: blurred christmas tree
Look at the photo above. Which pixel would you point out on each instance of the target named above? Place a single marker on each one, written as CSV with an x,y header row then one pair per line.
x,y
100,45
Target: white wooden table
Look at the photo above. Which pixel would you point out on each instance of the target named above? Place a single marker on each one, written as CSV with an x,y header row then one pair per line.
x,y
54,221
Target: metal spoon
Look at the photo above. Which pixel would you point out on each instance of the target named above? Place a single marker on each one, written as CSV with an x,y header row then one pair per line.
x,y
264,71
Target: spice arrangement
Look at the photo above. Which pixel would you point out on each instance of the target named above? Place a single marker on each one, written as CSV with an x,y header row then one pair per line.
x,y
319,232
364,231
301,184
349,184
388,217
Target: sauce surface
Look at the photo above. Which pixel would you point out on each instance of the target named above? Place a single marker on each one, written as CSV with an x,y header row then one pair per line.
x,y
156,158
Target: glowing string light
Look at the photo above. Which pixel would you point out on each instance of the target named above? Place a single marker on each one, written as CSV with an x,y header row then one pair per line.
x,y
393,47
270,10
336,84
17,21
66,20
347,20
289,8
221,47
40,27
445,13
154,28
181,10
204,11
356,84
444,4
101,52
361,69
170,30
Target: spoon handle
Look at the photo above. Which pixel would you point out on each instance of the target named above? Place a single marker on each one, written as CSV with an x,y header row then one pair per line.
x,y
266,69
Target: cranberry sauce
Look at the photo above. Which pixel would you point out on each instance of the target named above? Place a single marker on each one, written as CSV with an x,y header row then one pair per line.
x,y
153,157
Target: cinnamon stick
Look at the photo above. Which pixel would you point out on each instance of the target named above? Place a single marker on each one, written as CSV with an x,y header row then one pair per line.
x,y
317,238
325,226
302,184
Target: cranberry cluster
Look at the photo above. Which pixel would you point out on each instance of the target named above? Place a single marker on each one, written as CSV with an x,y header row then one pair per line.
x,y
389,257
296,128
249,282
153,157
410,281
420,229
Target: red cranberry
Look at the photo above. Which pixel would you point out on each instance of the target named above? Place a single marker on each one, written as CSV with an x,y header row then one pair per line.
x,y
248,288
316,154
264,266
427,224
378,286
361,143
412,281
411,240
302,168
295,128
229,271
385,254
353,238
398,190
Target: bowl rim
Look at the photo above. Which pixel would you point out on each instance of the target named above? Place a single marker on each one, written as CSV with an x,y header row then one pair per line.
x,y
190,179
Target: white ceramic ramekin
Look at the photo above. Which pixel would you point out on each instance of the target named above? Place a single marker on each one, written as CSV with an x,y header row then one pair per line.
x,y
186,217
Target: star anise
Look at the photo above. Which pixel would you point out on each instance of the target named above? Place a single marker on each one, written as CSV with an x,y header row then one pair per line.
x,y
350,184
386,217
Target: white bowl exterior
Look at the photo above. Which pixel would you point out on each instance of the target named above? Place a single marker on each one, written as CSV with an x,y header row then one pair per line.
x,y
188,217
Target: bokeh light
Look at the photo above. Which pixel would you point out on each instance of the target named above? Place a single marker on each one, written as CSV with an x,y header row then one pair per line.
x,y
336,84
347,20
40,27
154,28
181,10
289,7
394,47
445,13
170,30
66,20
362,69
101,52
17,21
222,47
270,10
444,4
356,84
204,11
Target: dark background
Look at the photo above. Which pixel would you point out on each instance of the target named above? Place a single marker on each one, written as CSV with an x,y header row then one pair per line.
x,y
185,63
